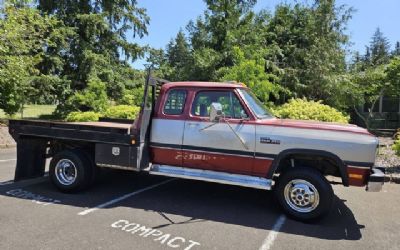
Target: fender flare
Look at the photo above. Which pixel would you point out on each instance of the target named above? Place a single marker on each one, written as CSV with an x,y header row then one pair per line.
x,y
312,152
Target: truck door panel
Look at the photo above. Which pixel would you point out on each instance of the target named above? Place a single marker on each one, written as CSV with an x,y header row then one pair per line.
x,y
214,146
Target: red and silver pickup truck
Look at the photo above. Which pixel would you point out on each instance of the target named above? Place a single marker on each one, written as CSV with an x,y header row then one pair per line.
x,y
216,132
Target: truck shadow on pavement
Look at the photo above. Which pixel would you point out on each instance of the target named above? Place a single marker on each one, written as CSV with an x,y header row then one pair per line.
x,y
197,202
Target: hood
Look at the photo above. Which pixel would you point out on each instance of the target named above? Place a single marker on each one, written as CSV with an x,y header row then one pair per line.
x,y
350,128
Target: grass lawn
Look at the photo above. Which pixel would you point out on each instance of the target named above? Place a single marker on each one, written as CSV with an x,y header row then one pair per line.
x,y
32,111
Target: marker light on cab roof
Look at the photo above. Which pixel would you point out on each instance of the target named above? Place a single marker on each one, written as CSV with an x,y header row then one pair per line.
x,y
239,83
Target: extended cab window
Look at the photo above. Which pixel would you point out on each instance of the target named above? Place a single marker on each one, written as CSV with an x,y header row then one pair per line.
x,y
231,106
175,102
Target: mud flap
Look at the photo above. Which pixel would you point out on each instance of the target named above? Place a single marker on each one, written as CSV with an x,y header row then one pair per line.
x,y
31,158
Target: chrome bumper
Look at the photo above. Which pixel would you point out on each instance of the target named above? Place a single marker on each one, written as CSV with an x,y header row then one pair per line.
x,y
376,180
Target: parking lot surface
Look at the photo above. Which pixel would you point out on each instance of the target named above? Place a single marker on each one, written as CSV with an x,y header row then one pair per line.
x,y
125,210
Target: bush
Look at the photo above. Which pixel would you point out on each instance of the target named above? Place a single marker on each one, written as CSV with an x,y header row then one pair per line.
x,y
122,111
93,97
396,147
302,109
89,116
396,144
132,97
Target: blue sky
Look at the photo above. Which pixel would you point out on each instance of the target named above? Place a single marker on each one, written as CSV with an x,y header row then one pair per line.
x,y
168,16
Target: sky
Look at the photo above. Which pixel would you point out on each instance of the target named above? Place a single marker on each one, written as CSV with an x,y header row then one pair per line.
x,y
168,16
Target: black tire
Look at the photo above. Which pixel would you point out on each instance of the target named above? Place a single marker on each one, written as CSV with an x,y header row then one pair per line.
x,y
79,174
300,194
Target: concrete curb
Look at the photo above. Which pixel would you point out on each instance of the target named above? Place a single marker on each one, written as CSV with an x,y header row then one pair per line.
x,y
8,145
392,178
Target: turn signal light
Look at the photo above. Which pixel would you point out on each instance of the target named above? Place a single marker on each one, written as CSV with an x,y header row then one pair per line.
x,y
356,176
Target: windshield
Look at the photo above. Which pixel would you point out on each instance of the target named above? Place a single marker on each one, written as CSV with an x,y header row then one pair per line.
x,y
255,105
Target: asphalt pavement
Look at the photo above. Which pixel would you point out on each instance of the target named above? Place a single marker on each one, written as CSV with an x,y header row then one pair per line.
x,y
125,210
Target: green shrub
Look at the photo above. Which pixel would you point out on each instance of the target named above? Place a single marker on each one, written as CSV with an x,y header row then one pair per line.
x,y
132,97
89,116
303,109
122,111
93,97
396,147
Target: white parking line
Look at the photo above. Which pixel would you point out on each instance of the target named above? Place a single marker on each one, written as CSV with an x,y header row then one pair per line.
x,y
108,203
6,160
269,241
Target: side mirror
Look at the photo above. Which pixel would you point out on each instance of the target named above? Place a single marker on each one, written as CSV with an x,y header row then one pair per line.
x,y
215,111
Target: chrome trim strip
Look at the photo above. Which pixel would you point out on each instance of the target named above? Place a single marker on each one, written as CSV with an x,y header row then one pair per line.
x,y
264,158
117,167
351,166
217,153
212,176
152,146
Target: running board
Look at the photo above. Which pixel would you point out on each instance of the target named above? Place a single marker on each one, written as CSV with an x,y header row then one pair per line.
x,y
212,176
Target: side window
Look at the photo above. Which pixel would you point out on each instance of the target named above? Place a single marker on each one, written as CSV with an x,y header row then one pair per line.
x,y
231,106
175,102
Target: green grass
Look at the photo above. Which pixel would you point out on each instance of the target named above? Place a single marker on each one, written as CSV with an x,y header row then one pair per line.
x,y
32,111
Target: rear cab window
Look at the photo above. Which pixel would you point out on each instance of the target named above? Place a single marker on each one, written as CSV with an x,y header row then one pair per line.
x,y
175,103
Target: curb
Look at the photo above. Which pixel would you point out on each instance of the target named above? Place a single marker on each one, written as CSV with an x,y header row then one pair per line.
x,y
8,145
392,179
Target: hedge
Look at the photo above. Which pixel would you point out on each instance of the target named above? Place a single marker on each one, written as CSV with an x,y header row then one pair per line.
x,y
122,111
119,111
302,109
78,116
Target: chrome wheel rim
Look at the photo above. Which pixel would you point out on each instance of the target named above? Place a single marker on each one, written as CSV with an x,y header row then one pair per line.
x,y
301,196
65,172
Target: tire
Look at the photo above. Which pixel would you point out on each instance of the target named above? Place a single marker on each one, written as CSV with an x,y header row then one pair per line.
x,y
71,171
304,194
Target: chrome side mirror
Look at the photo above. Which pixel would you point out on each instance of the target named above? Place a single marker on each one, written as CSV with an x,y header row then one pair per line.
x,y
215,111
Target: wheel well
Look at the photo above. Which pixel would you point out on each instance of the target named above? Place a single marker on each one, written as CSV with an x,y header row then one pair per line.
x,y
86,148
326,164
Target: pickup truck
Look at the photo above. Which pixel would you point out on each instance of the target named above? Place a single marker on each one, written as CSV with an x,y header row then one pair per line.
x,y
216,132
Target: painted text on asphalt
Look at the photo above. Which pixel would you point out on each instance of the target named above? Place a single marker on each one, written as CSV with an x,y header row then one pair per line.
x,y
154,234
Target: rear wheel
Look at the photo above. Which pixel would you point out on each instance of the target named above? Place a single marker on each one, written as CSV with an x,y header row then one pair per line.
x,y
71,171
304,194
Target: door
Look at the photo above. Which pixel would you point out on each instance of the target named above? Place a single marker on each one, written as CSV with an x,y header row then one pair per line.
x,y
226,146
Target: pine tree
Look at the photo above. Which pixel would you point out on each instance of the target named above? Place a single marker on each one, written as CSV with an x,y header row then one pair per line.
x,y
380,48
100,48
178,56
178,50
396,51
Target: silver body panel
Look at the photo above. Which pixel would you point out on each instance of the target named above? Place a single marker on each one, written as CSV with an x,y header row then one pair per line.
x,y
349,147
219,136
167,131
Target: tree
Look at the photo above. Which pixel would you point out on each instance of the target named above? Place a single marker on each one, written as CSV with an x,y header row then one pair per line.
x,y
252,73
396,51
26,37
307,43
100,48
216,33
380,48
393,77
179,56
365,88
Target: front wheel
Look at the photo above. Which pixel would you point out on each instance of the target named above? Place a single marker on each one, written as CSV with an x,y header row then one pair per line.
x,y
304,194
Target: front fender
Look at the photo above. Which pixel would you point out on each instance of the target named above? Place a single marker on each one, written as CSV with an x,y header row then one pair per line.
x,y
311,152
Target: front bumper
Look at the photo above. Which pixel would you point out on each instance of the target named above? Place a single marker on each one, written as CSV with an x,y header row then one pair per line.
x,y
376,179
